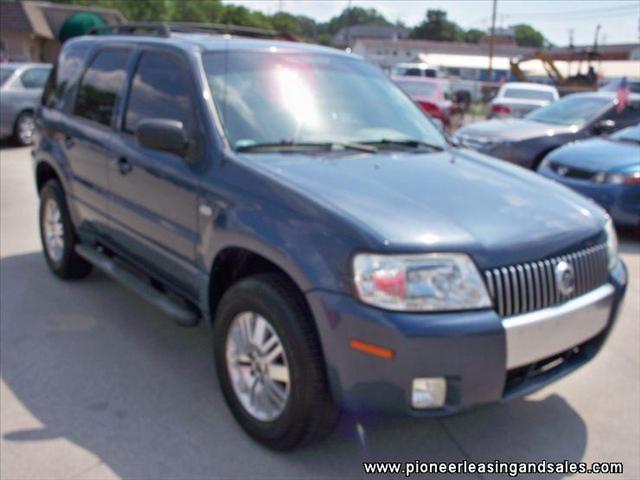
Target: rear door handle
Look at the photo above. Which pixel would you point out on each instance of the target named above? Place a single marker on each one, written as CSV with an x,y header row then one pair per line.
x,y
124,165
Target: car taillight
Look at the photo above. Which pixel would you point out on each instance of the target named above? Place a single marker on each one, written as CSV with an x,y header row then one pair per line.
x,y
497,108
431,109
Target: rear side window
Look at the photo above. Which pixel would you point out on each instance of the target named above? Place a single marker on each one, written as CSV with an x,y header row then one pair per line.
x,y
159,89
101,85
34,77
65,73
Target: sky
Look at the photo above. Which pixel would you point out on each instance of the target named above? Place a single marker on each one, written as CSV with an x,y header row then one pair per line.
x,y
619,19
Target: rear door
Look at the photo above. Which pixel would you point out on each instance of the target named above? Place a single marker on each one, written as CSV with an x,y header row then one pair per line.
x,y
88,135
154,194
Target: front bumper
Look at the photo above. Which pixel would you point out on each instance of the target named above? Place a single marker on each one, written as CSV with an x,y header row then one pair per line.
x,y
483,358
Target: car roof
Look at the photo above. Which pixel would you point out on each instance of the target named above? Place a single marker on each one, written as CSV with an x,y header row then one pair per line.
x,y
201,42
530,86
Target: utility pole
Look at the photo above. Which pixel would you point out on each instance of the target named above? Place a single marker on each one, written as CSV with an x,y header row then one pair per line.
x,y
492,39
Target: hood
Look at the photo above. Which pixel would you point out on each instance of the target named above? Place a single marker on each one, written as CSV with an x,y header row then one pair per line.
x,y
598,155
448,201
512,129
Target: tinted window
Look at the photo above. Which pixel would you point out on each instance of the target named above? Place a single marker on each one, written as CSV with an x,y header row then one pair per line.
x,y
66,72
159,90
100,86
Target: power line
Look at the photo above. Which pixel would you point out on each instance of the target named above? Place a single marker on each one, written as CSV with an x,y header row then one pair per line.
x,y
599,11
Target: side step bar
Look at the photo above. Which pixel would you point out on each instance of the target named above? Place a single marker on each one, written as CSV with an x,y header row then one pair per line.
x,y
183,315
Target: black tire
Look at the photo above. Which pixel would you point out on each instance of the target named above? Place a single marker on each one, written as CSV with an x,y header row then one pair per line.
x,y
18,136
310,412
70,265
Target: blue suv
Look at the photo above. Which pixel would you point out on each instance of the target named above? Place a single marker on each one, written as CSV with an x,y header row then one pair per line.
x,y
344,252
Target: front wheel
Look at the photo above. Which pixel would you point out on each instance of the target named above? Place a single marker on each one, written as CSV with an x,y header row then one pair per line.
x,y
58,235
269,363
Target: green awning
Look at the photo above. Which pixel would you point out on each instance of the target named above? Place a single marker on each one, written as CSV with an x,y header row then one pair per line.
x,y
79,24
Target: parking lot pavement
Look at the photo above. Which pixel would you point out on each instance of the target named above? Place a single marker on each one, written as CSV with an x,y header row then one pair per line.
x,y
98,384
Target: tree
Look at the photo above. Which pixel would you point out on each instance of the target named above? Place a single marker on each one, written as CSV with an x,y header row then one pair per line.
x,y
473,35
355,16
527,36
285,22
437,27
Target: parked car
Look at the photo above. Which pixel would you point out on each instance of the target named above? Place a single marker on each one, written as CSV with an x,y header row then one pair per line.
x,y
21,87
515,99
605,169
526,141
344,254
414,70
434,96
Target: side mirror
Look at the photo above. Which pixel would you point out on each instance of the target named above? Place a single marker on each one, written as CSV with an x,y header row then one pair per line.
x,y
163,134
602,127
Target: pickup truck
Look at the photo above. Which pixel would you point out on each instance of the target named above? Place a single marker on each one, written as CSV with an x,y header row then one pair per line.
x,y
345,253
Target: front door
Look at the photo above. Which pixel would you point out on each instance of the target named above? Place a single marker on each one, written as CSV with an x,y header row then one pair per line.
x,y
153,203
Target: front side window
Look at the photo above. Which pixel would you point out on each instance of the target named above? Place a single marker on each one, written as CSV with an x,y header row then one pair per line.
x,y
573,110
101,85
159,90
272,97
34,77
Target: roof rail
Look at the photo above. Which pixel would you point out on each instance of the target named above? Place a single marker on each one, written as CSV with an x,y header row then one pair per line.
x,y
164,29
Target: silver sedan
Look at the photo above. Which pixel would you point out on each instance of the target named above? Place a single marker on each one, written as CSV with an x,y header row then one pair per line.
x,y
21,86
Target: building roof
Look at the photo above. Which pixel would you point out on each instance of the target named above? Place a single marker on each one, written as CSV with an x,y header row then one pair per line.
x,y
370,31
45,19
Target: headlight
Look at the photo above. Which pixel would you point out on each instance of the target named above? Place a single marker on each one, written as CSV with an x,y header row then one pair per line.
x,y
419,283
612,243
627,178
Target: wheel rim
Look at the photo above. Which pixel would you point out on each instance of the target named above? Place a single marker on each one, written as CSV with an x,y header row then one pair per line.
x,y
26,127
257,366
53,230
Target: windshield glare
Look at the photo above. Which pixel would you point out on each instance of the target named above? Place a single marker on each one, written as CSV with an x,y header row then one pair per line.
x,y
270,97
570,111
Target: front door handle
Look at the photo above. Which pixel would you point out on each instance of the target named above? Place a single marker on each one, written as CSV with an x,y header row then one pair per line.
x,y
124,165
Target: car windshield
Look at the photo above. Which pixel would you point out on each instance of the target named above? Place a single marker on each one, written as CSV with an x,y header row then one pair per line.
x,y
421,89
5,73
571,110
629,134
526,94
276,98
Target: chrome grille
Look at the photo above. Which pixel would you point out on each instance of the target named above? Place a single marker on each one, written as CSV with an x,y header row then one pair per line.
x,y
531,286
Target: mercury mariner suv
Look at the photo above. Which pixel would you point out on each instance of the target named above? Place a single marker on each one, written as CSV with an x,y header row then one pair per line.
x,y
344,252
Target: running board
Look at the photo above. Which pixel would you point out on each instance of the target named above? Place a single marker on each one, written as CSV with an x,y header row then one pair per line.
x,y
183,315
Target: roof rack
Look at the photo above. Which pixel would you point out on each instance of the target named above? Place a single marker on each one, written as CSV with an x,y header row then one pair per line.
x,y
164,29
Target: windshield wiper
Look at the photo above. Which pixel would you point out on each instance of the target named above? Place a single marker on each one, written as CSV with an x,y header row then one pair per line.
x,y
408,143
284,146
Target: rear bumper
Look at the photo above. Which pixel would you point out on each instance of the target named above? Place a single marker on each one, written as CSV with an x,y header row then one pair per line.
x,y
483,358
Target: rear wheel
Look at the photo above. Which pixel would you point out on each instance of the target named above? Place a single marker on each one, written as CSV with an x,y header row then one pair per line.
x,y
24,128
57,234
269,363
